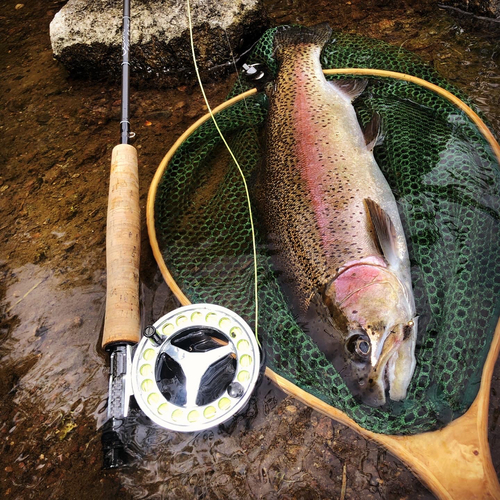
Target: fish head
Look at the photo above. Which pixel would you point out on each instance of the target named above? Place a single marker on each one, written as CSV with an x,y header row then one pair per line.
x,y
377,320
380,358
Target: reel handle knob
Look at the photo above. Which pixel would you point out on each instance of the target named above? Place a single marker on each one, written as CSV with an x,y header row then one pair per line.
x,y
151,333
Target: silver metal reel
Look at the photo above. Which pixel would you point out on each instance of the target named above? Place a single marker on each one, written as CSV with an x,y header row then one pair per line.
x,y
196,369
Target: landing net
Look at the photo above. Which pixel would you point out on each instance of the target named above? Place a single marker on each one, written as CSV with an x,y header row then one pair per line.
x,y
446,180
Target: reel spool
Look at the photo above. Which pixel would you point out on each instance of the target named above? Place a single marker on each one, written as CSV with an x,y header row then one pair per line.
x,y
195,367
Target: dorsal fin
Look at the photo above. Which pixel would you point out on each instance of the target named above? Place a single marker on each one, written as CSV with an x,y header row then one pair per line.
x,y
351,88
373,132
385,231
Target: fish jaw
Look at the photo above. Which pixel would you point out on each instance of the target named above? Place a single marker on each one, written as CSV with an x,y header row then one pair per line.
x,y
370,305
402,365
394,368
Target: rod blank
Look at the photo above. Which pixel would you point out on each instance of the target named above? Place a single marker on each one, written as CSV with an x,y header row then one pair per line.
x,y
125,124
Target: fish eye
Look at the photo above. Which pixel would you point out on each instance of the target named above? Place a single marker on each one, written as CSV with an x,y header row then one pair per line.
x,y
360,345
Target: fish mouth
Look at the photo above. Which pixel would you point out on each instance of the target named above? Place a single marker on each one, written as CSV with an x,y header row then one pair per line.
x,y
379,383
387,373
392,374
382,378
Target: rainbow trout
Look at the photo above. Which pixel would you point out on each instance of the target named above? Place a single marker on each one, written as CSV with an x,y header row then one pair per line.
x,y
333,224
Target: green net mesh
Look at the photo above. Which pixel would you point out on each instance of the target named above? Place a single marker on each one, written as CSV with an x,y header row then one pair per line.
x,y
446,181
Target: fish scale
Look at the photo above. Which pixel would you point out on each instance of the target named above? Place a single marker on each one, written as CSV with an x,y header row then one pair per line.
x,y
318,205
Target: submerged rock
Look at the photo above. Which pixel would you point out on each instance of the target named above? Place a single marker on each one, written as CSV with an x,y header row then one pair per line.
x,y
486,8
86,38
478,15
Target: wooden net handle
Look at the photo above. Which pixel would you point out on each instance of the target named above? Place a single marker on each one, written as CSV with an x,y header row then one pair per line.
x,y
123,243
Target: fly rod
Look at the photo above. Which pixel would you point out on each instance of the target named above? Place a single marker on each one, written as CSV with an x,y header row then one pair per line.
x,y
207,341
122,319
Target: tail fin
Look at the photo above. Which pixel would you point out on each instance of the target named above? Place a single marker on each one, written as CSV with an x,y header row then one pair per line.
x,y
295,35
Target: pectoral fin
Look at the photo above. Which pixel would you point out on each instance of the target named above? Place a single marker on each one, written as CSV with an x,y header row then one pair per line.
x,y
385,231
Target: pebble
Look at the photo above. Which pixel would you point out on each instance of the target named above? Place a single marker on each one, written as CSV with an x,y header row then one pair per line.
x,y
77,321
386,24
223,479
358,15
43,118
324,428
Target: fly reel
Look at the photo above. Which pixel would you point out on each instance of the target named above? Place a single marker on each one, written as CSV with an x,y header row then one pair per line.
x,y
195,367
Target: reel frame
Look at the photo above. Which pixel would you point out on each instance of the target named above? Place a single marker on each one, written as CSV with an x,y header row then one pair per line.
x,y
191,417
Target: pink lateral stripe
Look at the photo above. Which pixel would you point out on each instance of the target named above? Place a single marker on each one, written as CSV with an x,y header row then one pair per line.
x,y
311,172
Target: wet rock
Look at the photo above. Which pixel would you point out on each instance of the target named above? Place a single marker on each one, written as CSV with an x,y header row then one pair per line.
x,y
86,38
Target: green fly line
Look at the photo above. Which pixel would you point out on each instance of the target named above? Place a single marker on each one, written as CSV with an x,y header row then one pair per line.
x,y
233,156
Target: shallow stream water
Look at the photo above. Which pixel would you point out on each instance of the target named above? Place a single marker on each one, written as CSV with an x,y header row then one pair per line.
x,y
57,136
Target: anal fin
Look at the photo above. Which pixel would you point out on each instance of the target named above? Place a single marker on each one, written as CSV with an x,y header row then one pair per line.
x,y
373,132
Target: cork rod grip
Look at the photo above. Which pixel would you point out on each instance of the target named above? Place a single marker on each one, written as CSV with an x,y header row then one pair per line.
x,y
123,243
